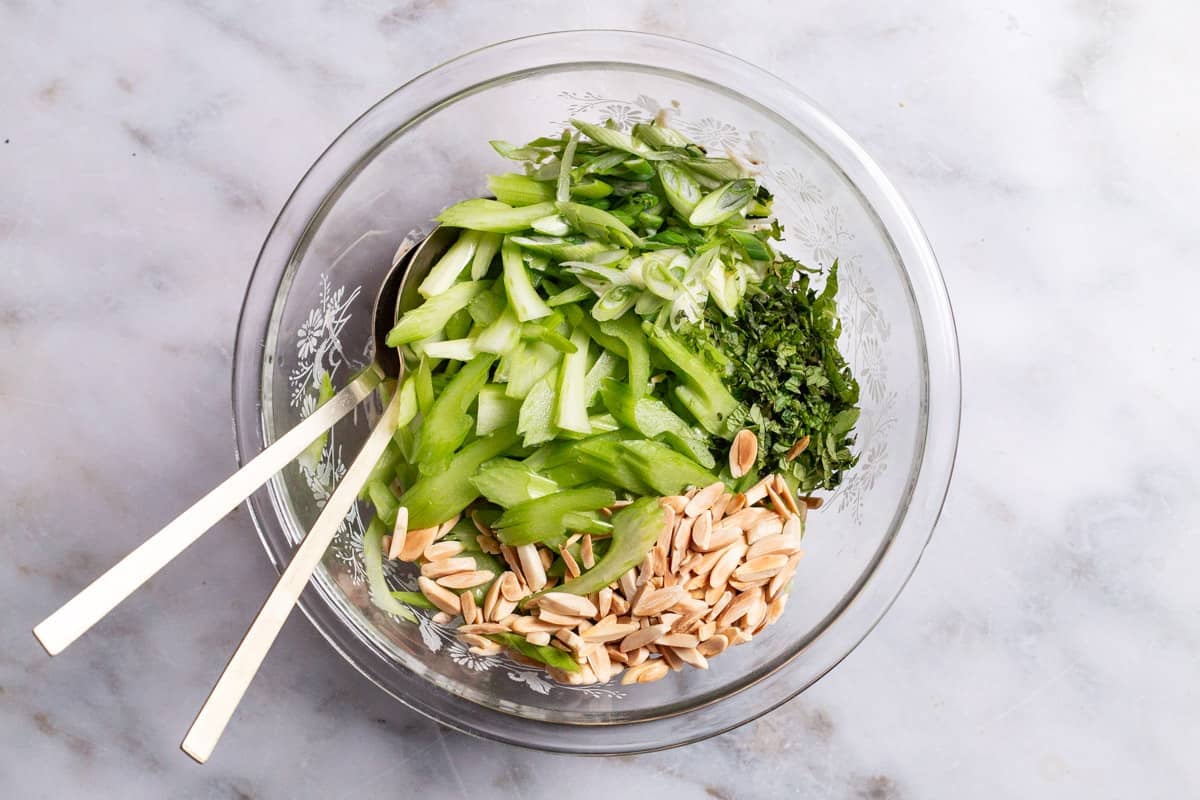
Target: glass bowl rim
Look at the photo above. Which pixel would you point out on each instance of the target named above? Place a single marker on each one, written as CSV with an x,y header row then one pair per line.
x,y
930,303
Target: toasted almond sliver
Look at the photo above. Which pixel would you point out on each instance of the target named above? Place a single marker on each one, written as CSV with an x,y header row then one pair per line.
x,y
707,631
795,526
604,600
658,600
757,569
629,584
785,493
775,610
597,658
671,657
531,566
676,503
482,628
466,580
756,493
781,579
726,565
719,508
440,550
776,501
510,587
743,586
704,499
540,638
443,598
689,655
470,612
476,640
399,534
526,625
570,563
416,541
713,646
479,526
615,655
678,640
720,537
561,620
722,603
609,632
488,544
736,504
447,566
746,517
756,614
713,594
586,554
740,606
681,540
619,604
565,603
786,543
545,556
813,502
799,447
764,528
646,672
446,526
643,637
490,599
702,531
743,454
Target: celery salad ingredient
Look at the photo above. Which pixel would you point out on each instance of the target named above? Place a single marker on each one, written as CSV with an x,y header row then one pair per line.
x,y
618,395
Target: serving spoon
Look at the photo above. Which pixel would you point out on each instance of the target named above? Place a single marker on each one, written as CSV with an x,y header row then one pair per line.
x,y
396,293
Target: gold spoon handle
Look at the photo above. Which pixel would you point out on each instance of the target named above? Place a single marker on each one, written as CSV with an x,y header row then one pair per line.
x,y
224,698
122,579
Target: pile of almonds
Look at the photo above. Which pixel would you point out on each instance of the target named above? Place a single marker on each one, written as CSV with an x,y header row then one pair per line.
x,y
717,575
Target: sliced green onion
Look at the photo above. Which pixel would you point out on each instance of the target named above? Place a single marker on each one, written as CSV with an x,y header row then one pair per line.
x,y
615,302
485,251
598,224
455,349
518,190
722,203
563,188
522,297
552,225
681,189
479,214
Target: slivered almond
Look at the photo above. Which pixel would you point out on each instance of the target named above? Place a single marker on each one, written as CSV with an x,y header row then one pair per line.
x,y
676,503
466,580
756,493
719,507
746,517
764,528
689,655
637,656
561,620
488,544
678,640
707,631
569,562
738,608
510,587
646,672
399,534
785,493
385,544
756,569
479,645
799,447
441,550
703,564
545,557
743,454
795,526
713,594
643,637
415,543
531,566
785,543
657,600
503,609
526,625
756,614
777,584
447,566
619,604
482,628
696,582
722,603
721,536
629,584
702,531
586,552
470,612
736,504
615,655
446,526
597,659
712,646
490,599
776,501
609,632
571,639
444,599
540,638
604,599
509,555
681,540
664,536
813,502
671,658
646,569
775,610
704,499
744,586
564,603
726,565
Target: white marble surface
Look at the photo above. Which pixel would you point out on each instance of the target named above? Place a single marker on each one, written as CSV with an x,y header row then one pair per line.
x,y
1048,644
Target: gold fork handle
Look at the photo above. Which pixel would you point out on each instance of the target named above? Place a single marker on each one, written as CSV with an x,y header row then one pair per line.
x,y
85,609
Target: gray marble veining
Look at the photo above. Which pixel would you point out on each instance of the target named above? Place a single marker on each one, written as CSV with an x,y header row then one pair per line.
x,y
1046,646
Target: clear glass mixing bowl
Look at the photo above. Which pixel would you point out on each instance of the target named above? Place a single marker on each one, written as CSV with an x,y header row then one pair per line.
x,y
424,147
